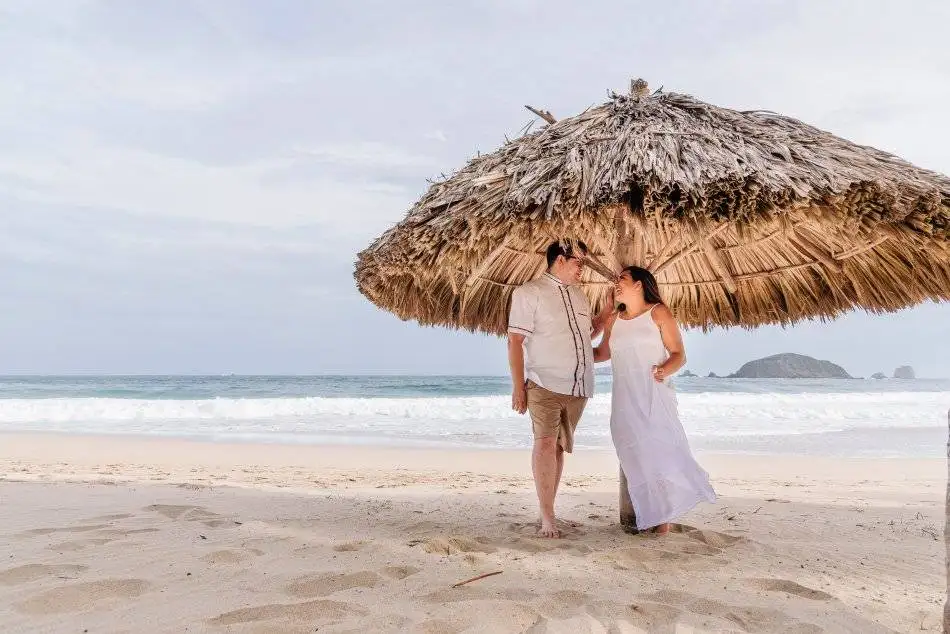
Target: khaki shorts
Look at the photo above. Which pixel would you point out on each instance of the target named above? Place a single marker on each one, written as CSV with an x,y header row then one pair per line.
x,y
554,415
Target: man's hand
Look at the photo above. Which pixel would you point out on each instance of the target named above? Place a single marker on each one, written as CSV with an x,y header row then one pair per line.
x,y
519,399
601,319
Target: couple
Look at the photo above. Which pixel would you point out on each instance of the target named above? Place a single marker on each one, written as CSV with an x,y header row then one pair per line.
x,y
550,329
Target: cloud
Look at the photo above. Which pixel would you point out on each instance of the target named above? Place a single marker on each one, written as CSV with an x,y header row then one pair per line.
x,y
85,173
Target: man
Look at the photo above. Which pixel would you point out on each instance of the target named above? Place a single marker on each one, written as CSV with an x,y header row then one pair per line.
x,y
552,365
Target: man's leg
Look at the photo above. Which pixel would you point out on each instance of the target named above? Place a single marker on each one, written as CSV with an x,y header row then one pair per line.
x,y
545,413
571,409
560,467
546,469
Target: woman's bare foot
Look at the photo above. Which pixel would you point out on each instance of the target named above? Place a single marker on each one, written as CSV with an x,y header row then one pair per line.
x,y
662,529
549,528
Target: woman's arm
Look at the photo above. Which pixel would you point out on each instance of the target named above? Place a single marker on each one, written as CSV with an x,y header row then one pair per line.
x,y
672,341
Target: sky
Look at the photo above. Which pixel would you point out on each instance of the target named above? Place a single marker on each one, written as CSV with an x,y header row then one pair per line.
x,y
184,185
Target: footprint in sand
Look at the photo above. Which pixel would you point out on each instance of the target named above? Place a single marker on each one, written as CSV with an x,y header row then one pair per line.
x,y
294,613
171,511
487,592
32,572
75,545
530,529
400,572
322,585
347,547
83,596
654,559
110,518
748,618
508,614
454,545
422,527
118,532
790,587
375,623
65,529
227,556
187,513
711,538
564,604
441,626
578,623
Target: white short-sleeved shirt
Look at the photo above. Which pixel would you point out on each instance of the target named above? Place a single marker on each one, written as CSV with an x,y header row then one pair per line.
x,y
555,320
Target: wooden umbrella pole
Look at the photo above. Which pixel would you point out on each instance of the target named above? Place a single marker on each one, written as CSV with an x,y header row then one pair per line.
x,y
946,535
628,517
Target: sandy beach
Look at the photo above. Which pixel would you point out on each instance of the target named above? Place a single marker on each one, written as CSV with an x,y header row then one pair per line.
x,y
106,534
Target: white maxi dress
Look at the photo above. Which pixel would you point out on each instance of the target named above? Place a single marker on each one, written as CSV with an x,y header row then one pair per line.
x,y
663,478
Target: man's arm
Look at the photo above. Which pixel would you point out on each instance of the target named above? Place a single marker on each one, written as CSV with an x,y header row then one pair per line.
x,y
519,395
602,351
603,317
524,305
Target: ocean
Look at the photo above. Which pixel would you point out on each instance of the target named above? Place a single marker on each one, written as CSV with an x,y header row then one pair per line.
x,y
814,417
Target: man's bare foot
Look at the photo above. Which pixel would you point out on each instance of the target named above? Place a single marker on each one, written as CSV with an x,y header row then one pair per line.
x,y
662,529
549,529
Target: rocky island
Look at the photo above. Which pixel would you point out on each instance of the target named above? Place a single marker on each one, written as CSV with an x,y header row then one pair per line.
x,y
905,372
790,366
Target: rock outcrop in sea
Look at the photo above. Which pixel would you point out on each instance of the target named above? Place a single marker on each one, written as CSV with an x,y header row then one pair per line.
x,y
790,366
905,372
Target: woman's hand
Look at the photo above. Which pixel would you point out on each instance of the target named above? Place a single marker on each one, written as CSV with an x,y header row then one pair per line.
x,y
659,374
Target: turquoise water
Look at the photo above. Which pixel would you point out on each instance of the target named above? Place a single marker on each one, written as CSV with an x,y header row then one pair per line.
x,y
834,417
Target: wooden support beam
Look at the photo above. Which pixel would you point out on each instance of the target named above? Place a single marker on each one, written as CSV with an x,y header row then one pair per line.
x,y
620,229
803,243
544,114
718,265
628,518
664,251
639,247
628,515
603,244
686,249
946,533
745,276
850,253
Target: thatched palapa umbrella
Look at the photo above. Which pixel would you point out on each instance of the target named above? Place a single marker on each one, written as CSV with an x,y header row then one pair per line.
x,y
745,217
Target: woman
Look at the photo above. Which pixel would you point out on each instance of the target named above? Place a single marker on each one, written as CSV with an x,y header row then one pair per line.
x,y
645,348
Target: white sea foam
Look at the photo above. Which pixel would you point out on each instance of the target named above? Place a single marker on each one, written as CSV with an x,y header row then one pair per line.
x,y
473,420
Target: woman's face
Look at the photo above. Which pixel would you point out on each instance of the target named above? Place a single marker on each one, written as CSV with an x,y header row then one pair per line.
x,y
626,288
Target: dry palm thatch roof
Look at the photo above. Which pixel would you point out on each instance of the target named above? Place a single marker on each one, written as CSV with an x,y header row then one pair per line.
x,y
746,218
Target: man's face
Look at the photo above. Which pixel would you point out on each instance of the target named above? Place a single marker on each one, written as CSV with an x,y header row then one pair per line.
x,y
573,266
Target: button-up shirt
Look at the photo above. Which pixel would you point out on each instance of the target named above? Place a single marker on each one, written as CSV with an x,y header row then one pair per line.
x,y
555,320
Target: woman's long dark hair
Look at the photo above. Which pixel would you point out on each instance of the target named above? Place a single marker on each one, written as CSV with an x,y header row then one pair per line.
x,y
651,290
